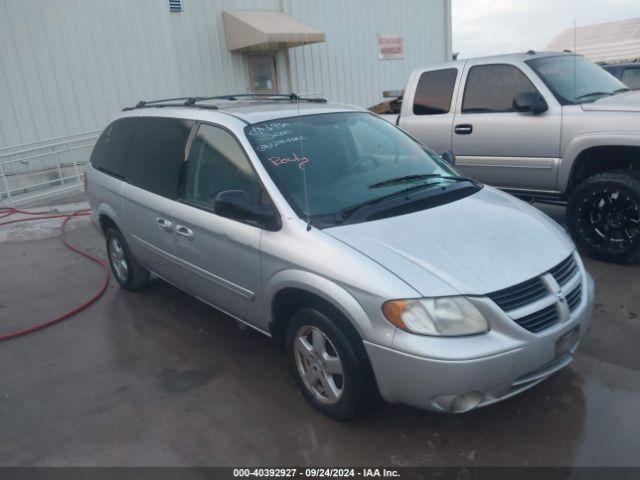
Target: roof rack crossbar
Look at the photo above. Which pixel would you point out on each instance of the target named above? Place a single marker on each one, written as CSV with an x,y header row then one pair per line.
x,y
193,101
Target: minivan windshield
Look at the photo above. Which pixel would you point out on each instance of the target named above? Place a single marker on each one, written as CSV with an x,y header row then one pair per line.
x,y
574,79
349,159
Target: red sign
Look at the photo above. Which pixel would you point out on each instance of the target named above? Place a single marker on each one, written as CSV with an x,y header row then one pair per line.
x,y
390,46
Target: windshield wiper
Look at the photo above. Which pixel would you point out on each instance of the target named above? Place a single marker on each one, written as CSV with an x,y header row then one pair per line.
x,y
412,178
343,214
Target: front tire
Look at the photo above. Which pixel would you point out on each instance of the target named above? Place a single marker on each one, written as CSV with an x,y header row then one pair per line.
x,y
603,216
128,273
328,370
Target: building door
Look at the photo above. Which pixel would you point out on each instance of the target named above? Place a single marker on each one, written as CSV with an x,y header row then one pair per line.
x,y
262,73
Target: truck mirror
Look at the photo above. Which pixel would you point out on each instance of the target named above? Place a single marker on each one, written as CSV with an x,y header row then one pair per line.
x,y
449,157
531,102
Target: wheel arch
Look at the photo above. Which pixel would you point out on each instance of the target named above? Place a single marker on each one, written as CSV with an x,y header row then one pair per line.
x,y
290,290
591,154
107,217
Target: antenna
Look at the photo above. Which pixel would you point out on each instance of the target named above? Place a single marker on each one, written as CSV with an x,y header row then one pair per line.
x,y
575,52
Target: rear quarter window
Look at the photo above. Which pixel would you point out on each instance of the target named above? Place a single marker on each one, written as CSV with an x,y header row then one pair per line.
x,y
434,92
109,154
631,77
156,155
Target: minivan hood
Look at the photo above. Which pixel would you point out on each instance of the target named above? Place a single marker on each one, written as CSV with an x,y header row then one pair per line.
x,y
477,245
621,102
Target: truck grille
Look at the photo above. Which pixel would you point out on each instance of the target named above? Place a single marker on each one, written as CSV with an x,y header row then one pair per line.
x,y
520,296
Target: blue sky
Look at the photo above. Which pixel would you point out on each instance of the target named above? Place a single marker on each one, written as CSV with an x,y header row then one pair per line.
x,y
488,27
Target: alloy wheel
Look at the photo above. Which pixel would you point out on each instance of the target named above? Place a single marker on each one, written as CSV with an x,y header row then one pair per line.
x,y
319,364
610,220
118,260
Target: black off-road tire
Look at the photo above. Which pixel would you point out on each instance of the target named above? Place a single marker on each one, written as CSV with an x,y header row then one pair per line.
x,y
136,277
358,391
603,216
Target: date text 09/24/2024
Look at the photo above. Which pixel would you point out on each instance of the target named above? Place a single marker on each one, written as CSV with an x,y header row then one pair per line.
x,y
316,472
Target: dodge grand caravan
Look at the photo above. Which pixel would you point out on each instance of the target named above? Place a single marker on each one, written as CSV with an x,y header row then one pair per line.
x,y
380,267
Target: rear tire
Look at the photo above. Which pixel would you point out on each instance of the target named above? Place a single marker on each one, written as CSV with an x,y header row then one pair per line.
x,y
603,216
327,368
128,273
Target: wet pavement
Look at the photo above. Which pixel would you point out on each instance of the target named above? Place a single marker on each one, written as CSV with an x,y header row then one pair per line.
x,y
157,378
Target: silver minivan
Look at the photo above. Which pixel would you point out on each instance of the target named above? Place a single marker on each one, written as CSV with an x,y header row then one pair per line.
x,y
382,270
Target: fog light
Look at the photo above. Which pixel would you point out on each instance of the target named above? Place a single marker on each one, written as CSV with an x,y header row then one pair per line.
x,y
466,402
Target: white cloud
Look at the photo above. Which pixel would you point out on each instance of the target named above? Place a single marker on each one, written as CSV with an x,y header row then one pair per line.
x,y
488,27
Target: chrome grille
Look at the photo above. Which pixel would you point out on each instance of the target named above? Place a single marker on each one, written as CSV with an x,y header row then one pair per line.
x,y
519,295
540,320
573,299
565,270
546,292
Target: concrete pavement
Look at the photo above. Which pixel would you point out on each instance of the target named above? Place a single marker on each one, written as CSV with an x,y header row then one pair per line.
x,y
158,378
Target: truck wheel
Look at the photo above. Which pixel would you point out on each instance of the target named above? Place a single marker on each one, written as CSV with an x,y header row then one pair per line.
x,y
603,215
326,367
128,273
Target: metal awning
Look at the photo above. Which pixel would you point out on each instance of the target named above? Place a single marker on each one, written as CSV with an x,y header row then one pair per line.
x,y
258,30
604,42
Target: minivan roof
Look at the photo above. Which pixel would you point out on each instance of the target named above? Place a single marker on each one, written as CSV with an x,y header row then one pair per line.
x,y
250,110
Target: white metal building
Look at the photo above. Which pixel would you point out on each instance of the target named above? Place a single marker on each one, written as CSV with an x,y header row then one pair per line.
x,y
603,42
67,66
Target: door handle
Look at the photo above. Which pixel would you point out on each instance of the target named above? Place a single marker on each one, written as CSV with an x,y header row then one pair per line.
x,y
184,232
164,224
463,129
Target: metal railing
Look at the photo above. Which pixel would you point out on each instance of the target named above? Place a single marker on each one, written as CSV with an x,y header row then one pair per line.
x,y
44,169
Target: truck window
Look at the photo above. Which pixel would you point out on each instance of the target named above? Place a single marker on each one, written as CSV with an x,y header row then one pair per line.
x,y
631,78
157,154
434,92
492,88
110,152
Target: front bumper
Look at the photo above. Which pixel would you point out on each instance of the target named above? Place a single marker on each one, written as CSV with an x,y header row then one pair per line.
x,y
456,384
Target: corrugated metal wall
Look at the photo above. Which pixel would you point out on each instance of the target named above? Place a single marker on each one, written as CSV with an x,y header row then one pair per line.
x,y
67,66
346,67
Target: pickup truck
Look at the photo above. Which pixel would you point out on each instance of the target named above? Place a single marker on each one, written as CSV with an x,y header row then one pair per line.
x,y
627,73
549,127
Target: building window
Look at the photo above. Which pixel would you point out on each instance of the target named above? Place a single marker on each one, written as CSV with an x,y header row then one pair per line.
x,y
262,73
175,5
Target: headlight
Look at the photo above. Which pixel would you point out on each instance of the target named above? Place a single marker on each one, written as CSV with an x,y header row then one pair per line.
x,y
447,316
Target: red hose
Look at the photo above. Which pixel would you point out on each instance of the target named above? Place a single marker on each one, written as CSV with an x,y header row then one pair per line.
x,y
7,212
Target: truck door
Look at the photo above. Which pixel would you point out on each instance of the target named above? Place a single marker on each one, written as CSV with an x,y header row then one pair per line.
x,y
498,145
430,117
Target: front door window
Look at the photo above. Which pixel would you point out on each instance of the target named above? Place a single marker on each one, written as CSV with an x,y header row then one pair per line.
x,y
262,73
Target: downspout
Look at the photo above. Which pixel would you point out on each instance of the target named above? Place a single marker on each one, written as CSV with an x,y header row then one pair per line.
x,y
448,43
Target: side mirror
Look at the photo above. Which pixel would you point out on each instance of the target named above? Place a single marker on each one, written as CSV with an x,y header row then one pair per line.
x,y
449,157
235,204
531,102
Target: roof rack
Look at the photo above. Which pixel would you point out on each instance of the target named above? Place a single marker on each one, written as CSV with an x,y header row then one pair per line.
x,y
193,101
